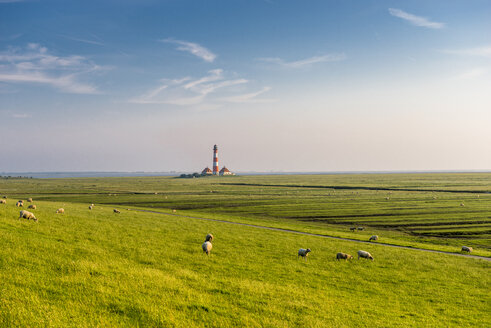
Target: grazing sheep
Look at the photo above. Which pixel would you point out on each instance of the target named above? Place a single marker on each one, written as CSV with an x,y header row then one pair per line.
x,y
116,211
462,204
466,249
3,201
4,197
20,203
387,198
32,206
361,228
207,246
304,253
374,237
352,229
91,207
27,215
60,210
29,200
343,256
173,211
365,255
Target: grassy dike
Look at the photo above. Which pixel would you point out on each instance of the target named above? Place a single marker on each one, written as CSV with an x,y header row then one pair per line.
x,y
96,268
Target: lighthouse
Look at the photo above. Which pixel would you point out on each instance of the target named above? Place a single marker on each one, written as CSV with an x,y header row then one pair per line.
x,y
215,160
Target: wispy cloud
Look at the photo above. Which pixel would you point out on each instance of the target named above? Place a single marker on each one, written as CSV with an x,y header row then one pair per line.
x,y
305,62
193,48
478,51
210,90
94,42
250,97
415,20
34,65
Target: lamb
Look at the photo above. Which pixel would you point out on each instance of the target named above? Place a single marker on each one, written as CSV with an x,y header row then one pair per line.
x,y
365,255
374,237
60,210
27,215
3,201
29,200
352,229
207,246
116,211
343,256
466,249
32,206
304,253
20,203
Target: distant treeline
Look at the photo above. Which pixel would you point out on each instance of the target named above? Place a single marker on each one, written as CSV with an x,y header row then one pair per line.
x,y
11,177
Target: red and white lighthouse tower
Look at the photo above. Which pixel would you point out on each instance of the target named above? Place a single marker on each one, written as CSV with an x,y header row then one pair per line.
x,y
215,160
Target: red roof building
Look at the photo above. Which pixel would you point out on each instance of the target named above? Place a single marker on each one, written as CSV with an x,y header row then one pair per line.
x,y
206,171
225,171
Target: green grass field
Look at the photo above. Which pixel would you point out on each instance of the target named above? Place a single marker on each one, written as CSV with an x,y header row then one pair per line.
x,y
97,268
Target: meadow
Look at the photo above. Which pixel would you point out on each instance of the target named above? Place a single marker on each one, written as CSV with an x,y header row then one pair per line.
x,y
97,268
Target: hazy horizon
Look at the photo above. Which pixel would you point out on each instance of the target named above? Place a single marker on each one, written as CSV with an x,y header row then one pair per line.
x,y
317,86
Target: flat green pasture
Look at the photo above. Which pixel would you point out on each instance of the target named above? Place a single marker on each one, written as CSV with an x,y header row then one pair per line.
x,y
433,211
97,268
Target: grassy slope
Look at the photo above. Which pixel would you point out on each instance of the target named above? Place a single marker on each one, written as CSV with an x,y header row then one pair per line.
x,y
102,269
433,220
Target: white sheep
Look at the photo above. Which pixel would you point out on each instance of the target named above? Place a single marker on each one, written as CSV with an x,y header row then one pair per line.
x,y
466,249
3,201
32,206
365,255
27,215
374,237
343,256
29,200
304,253
60,211
20,203
116,211
462,204
207,246
91,207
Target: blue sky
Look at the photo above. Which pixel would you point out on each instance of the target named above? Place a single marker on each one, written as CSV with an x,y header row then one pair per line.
x,y
278,85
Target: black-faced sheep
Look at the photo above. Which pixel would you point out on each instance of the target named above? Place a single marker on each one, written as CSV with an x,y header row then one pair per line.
x,y
60,211
361,228
352,229
32,206
374,237
29,200
91,207
3,201
304,253
365,255
20,203
116,211
207,246
343,256
466,249
27,215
